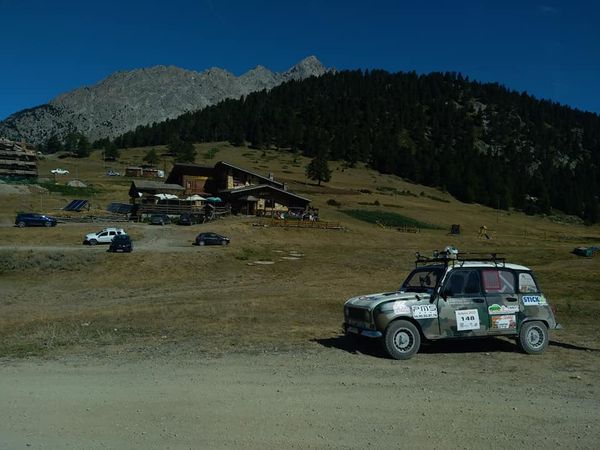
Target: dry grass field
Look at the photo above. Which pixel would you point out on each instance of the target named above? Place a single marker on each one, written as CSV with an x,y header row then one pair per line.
x,y
58,296
177,346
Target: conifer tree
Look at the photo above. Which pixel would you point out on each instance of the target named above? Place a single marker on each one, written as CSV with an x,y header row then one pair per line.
x,y
318,169
151,157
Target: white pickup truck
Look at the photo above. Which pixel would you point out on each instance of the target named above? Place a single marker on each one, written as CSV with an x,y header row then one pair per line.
x,y
104,236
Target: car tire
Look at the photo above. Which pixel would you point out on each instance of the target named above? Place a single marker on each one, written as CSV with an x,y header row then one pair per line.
x,y
223,242
533,337
21,224
47,224
402,339
93,241
201,243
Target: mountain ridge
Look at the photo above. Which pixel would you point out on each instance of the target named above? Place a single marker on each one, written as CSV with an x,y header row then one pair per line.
x,y
125,100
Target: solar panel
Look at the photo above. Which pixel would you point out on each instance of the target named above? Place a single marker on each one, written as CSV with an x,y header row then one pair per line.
x,y
119,208
75,205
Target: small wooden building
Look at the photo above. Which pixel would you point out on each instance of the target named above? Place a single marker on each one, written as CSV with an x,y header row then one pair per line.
x,y
195,179
144,191
17,160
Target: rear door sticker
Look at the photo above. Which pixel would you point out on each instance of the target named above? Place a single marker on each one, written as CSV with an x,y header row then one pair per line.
x,y
506,322
502,309
534,300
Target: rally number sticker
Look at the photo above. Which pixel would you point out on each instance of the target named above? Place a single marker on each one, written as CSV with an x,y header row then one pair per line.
x,y
467,319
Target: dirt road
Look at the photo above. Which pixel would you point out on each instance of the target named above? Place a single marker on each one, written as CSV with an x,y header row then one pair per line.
x,y
459,396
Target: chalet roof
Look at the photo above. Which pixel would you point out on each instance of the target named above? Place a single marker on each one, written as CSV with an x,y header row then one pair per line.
x,y
188,169
261,187
155,185
254,174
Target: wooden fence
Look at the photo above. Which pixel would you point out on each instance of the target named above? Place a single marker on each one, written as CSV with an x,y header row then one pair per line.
x,y
319,224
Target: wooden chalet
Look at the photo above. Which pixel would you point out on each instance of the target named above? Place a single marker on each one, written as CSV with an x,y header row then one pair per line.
x,y
17,160
245,191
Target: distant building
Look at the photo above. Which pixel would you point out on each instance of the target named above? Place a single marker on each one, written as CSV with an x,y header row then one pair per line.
x,y
17,160
143,172
245,191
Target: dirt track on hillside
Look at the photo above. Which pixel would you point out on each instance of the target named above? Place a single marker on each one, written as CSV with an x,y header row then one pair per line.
x,y
327,396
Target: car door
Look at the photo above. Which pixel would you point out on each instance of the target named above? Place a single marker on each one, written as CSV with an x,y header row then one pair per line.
x,y
462,308
501,298
111,236
103,237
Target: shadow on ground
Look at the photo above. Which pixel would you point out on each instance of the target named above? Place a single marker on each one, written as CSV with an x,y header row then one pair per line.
x,y
573,347
372,347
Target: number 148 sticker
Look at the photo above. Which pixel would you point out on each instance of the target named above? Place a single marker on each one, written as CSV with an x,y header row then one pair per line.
x,y
467,319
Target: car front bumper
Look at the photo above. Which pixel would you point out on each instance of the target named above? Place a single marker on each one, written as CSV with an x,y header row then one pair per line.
x,y
354,330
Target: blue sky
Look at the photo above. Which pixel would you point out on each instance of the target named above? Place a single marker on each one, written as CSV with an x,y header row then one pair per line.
x,y
550,49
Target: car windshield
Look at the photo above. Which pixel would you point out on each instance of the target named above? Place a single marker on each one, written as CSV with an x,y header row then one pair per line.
x,y
422,280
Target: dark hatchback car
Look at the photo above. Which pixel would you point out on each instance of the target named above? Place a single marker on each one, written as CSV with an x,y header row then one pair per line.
x,y
159,219
211,239
188,219
121,243
34,220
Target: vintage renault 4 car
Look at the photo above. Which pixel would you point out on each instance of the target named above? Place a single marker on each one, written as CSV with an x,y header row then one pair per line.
x,y
455,296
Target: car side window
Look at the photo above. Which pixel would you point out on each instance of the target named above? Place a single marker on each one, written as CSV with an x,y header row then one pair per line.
x,y
498,281
112,233
102,234
527,284
463,282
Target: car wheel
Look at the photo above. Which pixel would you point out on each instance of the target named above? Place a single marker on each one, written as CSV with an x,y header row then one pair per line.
x,y
21,224
93,241
402,339
223,242
533,337
47,224
201,243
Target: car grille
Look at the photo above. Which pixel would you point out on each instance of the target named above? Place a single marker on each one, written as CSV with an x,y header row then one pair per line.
x,y
359,314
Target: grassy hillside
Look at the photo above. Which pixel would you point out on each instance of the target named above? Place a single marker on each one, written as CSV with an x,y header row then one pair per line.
x,y
57,295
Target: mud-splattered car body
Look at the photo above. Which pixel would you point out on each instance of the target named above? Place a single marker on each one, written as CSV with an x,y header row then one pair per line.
x,y
455,298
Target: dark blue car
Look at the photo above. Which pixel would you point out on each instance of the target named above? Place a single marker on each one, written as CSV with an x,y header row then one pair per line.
x,y
34,220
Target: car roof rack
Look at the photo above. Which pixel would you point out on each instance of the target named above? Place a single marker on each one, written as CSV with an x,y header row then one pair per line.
x,y
459,259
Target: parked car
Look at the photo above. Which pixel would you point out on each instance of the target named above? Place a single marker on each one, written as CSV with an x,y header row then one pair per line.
x,y
188,219
121,243
112,173
211,239
453,297
34,220
59,171
104,236
159,219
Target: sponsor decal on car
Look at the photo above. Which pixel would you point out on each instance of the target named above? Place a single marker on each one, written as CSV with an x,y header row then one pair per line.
x,y
534,300
401,307
506,322
424,311
467,319
502,309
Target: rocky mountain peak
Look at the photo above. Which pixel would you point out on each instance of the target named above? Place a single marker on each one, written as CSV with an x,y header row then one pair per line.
x,y
127,99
